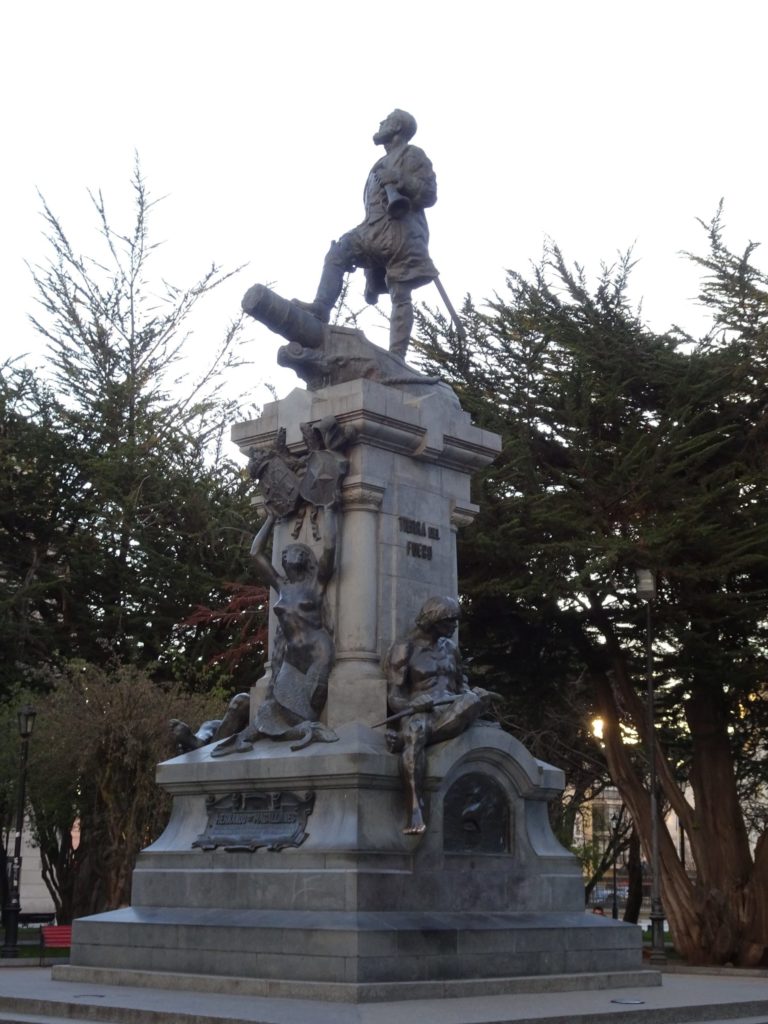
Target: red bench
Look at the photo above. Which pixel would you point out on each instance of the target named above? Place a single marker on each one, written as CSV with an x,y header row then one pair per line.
x,y
56,936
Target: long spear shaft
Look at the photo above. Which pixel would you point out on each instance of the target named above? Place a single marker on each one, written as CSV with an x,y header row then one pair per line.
x,y
435,703
412,711
449,306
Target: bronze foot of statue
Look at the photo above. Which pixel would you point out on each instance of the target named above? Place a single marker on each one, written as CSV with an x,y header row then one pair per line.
x,y
316,309
416,825
241,741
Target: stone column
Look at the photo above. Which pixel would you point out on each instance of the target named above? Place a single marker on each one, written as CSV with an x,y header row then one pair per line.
x,y
358,693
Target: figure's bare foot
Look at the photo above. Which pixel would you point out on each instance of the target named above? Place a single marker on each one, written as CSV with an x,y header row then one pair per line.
x,y
415,830
233,745
416,826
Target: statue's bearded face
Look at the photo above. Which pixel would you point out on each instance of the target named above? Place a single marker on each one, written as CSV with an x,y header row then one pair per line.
x,y
389,127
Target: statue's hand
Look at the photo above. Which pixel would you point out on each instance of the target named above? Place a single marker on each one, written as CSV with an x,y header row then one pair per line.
x,y
388,177
317,687
423,702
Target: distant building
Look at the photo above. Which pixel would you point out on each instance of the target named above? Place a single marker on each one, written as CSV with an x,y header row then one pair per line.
x,y
593,825
34,895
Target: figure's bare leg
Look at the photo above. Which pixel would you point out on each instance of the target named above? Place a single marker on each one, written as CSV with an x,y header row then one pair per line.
x,y
239,742
413,763
458,716
237,717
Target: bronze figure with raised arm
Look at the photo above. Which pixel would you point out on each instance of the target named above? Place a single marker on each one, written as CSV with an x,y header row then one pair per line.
x,y
303,652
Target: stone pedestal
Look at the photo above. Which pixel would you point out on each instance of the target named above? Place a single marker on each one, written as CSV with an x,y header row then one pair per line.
x,y
286,871
405,493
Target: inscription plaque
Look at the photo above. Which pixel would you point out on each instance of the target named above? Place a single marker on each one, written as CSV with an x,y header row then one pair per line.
x,y
247,821
476,816
417,528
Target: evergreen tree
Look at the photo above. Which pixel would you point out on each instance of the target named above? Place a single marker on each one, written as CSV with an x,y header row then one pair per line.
x,y
624,449
119,511
119,514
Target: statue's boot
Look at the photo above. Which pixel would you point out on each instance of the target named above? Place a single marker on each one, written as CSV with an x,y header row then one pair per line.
x,y
400,326
328,291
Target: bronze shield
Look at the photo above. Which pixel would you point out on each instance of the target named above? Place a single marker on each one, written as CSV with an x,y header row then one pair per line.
x,y
320,483
280,486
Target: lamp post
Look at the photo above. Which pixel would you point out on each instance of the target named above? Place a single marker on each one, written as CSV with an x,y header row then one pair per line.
x,y
10,948
646,589
615,823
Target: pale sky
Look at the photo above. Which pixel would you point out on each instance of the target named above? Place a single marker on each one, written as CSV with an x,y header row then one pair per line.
x,y
601,125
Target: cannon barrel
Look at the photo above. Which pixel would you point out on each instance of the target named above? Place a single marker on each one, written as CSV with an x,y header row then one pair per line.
x,y
283,317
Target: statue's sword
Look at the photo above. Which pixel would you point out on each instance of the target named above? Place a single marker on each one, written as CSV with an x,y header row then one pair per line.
x,y
454,315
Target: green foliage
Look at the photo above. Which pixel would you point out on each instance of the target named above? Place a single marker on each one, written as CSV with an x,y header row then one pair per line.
x,y
119,514
624,449
98,737
119,511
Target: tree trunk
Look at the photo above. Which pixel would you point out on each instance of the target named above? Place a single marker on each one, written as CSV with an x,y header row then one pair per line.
x,y
722,916
635,877
728,887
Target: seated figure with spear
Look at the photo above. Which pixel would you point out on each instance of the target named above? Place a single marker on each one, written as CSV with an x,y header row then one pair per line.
x,y
429,697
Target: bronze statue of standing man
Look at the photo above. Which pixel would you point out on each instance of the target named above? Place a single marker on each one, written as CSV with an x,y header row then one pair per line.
x,y
392,242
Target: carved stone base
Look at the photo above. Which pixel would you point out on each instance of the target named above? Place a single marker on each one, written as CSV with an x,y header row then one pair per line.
x,y
487,892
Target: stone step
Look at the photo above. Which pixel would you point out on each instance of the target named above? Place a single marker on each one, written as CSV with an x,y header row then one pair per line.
x,y
358,957
362,993
104,1015
33,997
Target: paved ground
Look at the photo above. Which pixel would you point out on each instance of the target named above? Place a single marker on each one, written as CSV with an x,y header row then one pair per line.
x,y
31,996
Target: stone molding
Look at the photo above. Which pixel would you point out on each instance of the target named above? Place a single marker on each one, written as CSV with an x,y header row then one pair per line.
x,y
427,427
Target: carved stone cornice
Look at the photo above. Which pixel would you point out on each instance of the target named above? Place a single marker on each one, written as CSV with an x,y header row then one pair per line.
x,y
429,428
463,515
357,495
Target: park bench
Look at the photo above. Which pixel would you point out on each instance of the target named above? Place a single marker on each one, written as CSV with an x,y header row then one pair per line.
x,y
55,936
30,920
